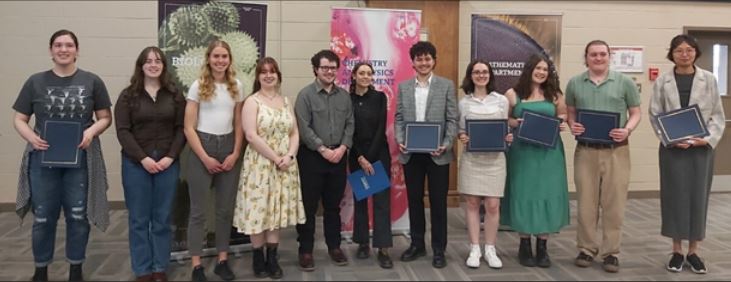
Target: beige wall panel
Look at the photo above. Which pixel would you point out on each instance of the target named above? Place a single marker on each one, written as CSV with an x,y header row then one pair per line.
x,y
274,30
300,50
274,50
299,68
292,31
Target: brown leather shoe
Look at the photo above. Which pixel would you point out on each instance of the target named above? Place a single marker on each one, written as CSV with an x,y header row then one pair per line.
x,y
338,257
307,263
144,278
159,277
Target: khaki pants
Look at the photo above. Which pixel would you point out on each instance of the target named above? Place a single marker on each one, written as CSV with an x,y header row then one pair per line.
x,y
601,176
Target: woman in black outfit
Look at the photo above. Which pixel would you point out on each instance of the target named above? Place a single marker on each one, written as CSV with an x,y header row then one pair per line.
x,y
370,146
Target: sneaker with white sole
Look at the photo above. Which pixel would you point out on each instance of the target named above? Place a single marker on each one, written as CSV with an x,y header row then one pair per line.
x,y
493,261
676,262
473,261
696,264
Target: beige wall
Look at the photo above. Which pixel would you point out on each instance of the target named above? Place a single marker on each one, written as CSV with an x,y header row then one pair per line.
x,y
111,34
637,23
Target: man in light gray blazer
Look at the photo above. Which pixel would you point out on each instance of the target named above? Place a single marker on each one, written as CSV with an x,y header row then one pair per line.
x,y
427,98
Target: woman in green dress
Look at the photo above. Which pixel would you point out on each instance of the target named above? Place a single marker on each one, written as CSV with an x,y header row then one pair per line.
x,y
536,195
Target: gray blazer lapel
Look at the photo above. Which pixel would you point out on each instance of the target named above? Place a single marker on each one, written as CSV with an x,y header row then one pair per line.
x,y
672,95
434,89
410,100
699,84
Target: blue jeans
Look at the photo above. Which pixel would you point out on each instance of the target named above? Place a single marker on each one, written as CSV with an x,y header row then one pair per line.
x,y
149,200
51,190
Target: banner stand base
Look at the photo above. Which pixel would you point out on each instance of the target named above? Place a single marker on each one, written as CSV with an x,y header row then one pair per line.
x,y
236,250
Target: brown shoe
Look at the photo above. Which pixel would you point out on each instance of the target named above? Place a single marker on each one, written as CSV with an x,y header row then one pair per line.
x,y
144,278
307,263
337,256
159,277
611,264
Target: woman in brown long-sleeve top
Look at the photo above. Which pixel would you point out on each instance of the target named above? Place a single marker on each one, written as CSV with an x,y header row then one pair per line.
x,y
149,121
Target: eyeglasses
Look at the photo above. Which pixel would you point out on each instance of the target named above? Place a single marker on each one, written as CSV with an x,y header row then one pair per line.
x,y
684,51
482,72
328,68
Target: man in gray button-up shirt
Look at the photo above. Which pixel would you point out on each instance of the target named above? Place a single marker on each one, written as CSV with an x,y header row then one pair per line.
x,y
325,119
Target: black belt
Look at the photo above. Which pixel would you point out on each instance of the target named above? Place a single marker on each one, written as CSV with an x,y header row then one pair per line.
x,y
332,147
603,146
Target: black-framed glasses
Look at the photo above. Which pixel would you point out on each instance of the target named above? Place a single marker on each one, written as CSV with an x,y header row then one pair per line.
x,y
328,68
482,72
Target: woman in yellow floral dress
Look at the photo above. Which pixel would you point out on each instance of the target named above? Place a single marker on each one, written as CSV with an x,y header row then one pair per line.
x,y
269,195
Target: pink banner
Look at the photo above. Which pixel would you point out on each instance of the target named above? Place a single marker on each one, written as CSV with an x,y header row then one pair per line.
x,y
382,37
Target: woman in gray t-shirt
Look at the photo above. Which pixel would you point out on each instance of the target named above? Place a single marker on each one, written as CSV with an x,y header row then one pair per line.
x,y
63,154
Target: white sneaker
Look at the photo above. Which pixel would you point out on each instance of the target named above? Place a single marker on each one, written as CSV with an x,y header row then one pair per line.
x,y
473,261
493,261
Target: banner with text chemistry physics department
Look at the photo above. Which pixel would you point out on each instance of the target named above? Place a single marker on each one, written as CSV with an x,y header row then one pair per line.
x,y
382,37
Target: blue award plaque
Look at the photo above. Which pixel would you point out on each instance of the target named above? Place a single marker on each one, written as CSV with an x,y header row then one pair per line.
x,y
63,139
486,135
678,125
597,125
364,185
539,129
423,137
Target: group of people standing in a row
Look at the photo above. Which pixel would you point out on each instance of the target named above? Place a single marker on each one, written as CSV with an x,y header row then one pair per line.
x,y
296,156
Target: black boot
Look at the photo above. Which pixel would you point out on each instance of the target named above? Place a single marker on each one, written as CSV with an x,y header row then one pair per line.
x,y
75,273
275,271
41,274
259,263
525,253
542,259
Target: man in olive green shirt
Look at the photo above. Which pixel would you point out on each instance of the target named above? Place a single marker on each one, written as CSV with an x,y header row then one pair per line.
x,y
601,171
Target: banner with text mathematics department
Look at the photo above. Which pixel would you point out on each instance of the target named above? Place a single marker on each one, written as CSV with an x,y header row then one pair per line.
x,y
382,37
506,41
185,30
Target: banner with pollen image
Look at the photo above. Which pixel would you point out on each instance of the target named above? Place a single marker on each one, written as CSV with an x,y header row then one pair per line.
x,y
185,28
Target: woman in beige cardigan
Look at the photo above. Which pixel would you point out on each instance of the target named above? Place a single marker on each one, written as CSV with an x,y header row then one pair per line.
x,y
686,168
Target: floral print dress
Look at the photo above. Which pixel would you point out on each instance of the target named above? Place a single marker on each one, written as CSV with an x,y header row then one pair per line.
x,y
268,198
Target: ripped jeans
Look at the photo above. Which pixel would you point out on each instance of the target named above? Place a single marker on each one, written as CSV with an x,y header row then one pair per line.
x,y
53,189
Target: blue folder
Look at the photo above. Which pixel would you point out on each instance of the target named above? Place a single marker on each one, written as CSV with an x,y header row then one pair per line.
x,y
597,125
539,129
364,185
679,125
423,137
486,135
63,139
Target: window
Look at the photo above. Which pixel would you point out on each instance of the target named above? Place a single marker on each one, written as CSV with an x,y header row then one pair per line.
x,y
720,67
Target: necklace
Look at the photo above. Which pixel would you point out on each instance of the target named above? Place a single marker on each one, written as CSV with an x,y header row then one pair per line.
x,y
269,97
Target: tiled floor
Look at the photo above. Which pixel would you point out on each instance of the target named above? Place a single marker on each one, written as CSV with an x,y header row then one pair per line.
x,y
644,253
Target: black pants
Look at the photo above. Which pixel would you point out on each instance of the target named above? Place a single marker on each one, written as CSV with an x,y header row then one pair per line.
x,y
320,179
382,237
419,167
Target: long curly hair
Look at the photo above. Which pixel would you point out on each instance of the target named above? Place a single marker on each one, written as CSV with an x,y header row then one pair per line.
x,y
260,69
550,87
206,87
137,81
353,83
